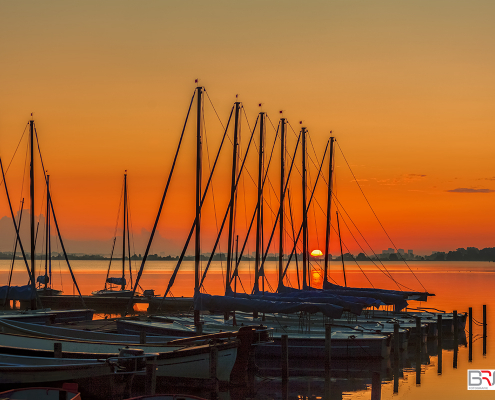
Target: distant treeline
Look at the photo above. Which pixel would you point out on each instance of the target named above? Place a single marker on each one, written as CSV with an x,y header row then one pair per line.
x,y
469,254
151,257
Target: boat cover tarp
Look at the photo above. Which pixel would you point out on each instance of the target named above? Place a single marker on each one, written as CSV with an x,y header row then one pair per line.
x,y
117,281
43,279
349,303
206,302
310,292
17,292
397,298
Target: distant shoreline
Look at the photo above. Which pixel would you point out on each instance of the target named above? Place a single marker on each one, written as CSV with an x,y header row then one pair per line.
x,y
469,254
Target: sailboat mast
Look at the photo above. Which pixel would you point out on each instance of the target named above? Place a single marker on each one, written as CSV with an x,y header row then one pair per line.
x,y
129,245
260,201
232,194
197,250
329,203
341,252
305,215
47,230
281,210
124,232
31,194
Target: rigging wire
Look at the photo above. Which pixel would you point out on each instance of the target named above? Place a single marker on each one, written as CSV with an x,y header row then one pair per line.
x,y
376,216
213,194
12,159
212,188
214,109
387,273
116,229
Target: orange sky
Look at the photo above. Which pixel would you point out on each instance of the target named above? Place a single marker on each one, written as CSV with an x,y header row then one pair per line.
x,y
406,87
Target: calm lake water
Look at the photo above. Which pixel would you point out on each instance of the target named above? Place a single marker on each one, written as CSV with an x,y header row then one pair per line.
x,y
457,285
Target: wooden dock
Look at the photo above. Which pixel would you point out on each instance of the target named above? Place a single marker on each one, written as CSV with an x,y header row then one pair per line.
x,y
114,305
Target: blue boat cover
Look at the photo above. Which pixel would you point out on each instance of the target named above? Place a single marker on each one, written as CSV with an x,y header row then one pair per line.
x,y
17,292
395,297
206,302
117,281
43,279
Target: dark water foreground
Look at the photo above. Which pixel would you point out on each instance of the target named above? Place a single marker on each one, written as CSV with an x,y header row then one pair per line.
x,y
457,286
365,379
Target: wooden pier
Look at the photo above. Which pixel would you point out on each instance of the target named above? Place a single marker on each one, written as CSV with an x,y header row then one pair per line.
x,y
114,305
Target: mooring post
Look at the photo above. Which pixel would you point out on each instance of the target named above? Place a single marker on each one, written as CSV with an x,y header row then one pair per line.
x,y
484,329
396,357
439,343
57,350
456,338
285,358
328,349
142,337
396,343
396,378
470,334
150,384
376,386
213,361
213,367
418,350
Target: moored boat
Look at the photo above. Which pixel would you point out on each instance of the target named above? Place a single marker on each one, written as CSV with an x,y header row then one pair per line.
x,y
173,360
67,392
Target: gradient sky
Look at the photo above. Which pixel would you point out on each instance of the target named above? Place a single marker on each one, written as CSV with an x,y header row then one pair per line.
x,y
406,87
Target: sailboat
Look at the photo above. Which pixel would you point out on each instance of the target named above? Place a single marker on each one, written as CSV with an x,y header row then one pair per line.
x,y
115,286
29,296
45,279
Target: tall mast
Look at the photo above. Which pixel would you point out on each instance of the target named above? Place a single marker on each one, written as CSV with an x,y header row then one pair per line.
x,y
129,245
281,211
124,231
31,193
197,250
341,252
329,203
305,215
232,194
260,201
47,229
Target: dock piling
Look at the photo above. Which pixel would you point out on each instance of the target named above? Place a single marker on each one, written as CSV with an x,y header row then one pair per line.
x,y
396,358
470,334
376,386
456,338
213,361
328,349
57,350
484,329
418,350
285,358
150,383
328,358
142,337
439,342
396,343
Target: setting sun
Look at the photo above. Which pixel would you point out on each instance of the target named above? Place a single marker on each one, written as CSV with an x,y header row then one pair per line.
x,y
316,253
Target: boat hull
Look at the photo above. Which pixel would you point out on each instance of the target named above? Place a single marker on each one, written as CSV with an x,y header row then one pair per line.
x,y
178,361
314,348
40,393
